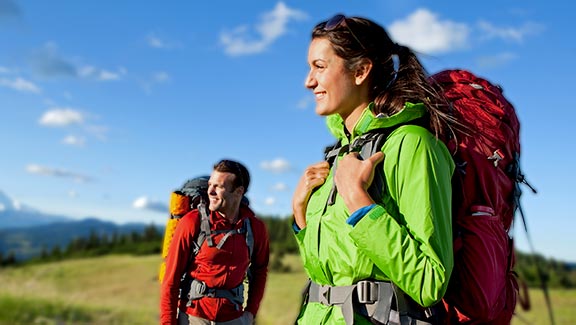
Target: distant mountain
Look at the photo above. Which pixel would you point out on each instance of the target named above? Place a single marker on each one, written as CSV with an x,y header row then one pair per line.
x,y
13,214
30,241
26,231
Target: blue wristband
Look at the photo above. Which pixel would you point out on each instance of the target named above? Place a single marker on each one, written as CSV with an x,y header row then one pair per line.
x,y
358,214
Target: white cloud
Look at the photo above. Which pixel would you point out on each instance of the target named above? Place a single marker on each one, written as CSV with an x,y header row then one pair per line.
x,y
94,73
157,78
98,131
20,85
424,32
280,187
161,76
518,34
146,203
58,117
272,26
304,102
74,141
48,62
108,75
157,42
279,165
496,60
48,171
270,201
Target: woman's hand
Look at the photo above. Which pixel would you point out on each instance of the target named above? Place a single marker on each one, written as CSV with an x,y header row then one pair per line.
x,y
353,177
314,176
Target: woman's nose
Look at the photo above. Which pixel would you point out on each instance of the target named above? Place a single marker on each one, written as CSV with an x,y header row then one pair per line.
x,y
310,81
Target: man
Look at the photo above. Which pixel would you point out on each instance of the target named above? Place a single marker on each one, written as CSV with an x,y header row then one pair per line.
x,y
212,291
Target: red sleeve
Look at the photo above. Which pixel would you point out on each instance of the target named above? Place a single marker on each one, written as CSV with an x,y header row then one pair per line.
x,y
259,265
177,259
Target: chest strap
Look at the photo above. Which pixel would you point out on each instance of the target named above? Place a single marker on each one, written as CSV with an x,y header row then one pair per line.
x,y
381,302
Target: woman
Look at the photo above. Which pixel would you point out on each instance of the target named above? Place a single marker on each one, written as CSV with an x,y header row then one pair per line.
x,y
374,256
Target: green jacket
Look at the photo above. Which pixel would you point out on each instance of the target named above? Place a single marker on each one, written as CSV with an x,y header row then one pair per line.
x,y
406,238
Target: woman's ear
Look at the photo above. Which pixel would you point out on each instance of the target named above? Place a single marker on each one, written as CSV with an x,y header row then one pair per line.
x,y
362,71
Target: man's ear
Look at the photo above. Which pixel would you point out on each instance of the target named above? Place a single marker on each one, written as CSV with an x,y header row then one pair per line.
x,y
362,71
239,191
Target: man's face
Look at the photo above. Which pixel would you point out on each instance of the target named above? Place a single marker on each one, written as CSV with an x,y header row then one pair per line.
x,y
221,193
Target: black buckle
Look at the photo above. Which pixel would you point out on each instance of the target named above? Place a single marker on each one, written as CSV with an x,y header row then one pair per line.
x,y
367,292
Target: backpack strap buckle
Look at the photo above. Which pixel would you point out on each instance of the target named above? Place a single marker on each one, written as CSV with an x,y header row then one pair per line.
x,y
324,295
367,292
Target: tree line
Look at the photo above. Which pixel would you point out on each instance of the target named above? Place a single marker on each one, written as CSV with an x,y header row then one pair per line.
x,y
531,268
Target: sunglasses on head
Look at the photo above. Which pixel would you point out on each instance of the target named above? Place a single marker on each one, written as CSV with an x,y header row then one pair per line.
x,y
340,20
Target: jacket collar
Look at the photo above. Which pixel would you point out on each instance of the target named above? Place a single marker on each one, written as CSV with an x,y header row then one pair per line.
x,y
368,121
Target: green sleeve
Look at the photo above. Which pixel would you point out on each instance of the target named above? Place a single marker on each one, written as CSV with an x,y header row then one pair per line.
x,y
300,235
409,236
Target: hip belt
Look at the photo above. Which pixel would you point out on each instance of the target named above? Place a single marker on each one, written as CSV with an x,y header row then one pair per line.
x,y
381,302
198,290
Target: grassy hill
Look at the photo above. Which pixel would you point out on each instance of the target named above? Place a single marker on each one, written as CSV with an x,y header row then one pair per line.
x,y
120,289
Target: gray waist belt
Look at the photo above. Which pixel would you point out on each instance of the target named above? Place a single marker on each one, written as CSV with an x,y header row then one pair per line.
x,y
373,299
198,289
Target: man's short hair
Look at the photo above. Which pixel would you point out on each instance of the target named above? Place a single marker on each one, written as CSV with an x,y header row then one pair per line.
x,y
240,171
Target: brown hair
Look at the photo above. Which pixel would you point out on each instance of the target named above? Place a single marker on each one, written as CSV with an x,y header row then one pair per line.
x,y
240,171
397,76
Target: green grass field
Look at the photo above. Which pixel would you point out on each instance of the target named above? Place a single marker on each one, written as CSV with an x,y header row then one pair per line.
x,y
125,290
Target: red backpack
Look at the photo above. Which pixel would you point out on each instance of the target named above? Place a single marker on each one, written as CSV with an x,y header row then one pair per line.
x,y
486,193
483,287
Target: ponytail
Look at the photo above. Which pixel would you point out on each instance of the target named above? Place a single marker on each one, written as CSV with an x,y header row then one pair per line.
x,y
409,83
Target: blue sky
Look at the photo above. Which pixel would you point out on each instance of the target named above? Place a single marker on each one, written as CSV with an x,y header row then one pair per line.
x,y
107,106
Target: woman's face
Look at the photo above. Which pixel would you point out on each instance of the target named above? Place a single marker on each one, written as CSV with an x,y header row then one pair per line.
x,y
333,85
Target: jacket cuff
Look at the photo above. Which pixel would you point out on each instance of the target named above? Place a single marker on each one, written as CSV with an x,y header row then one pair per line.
x,y
359,214
295,227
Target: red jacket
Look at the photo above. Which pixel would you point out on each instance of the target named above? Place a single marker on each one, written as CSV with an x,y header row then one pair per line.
x,y
223,268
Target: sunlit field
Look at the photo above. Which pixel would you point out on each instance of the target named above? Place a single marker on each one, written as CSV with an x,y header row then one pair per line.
x,y
125,290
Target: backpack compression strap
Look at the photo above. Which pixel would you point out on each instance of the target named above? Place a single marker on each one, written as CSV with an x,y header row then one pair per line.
x,y
206,233
243,230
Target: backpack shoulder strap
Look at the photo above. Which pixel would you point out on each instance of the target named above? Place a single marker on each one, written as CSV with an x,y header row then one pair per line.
x,y
247,226
370,143
366,145
204,233
333,151
202,236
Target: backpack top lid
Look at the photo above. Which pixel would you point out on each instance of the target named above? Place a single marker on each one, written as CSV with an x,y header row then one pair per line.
x,y
195,187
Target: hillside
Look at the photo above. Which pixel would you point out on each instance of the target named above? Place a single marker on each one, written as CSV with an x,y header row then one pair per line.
x,y
124,290
111,290
26,242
